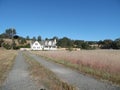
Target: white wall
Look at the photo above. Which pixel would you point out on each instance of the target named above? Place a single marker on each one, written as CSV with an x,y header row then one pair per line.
x,y
36,46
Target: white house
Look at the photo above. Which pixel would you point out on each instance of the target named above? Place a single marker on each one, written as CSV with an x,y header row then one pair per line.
x,y
44,45
50,45
36,46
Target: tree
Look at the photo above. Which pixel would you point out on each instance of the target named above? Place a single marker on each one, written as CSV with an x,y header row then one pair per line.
x,y
92,42
6,46
21,40
116,44
65,43
34,39
4,35
27,38
15,37
39,38
100,43
27,45
1,42
85,45
107,44
10,32
14,45
55,37
78,43
46,39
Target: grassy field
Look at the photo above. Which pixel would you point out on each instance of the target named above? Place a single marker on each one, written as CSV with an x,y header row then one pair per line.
x,y
45,77
102,64
7,58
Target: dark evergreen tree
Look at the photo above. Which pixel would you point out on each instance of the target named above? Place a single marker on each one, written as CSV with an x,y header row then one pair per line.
x,y
39,38
10,32
27,38
34,39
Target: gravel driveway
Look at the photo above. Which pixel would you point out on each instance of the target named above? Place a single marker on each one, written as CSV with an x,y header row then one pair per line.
x,y
18,78
73,77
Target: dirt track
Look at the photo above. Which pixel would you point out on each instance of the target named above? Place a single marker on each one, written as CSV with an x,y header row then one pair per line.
x,y
73,77
18,78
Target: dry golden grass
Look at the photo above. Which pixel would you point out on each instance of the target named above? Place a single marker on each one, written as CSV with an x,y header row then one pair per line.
x,y
104,64
45,77
7,58
16,41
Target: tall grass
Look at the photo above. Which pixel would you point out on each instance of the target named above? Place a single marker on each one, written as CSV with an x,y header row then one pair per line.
x,y
46,77
104,64
7,58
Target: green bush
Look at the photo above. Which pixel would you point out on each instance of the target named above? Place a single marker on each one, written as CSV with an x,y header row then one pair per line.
x,y
6,46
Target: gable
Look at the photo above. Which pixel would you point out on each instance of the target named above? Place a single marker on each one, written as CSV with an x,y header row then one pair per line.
x,y
36,44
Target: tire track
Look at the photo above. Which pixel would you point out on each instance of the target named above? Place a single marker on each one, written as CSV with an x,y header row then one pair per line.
x,y
18,78
72,77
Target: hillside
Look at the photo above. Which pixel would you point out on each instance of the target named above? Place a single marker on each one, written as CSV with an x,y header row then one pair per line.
x,y
16,44
16,41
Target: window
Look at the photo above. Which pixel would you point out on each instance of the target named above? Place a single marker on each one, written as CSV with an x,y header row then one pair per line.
x,y
46,46
36,43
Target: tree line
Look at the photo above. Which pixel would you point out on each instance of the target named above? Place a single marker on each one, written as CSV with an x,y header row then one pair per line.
x,y
102,44
109,44
64,42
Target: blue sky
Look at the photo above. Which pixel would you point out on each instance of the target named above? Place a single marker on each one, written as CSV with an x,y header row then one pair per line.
x,y
76,19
